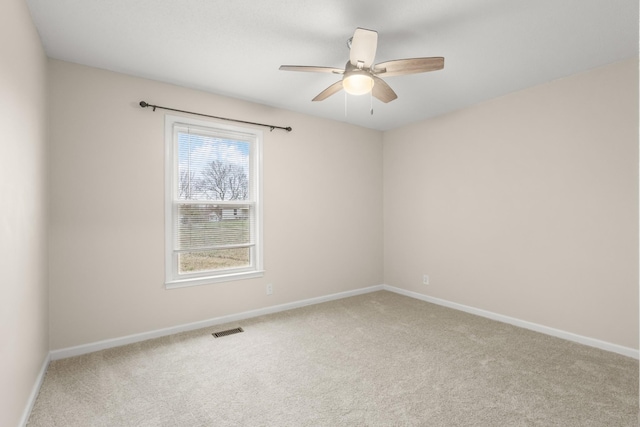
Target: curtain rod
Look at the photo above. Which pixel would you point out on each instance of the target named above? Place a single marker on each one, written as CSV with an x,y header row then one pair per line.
x,y
144,104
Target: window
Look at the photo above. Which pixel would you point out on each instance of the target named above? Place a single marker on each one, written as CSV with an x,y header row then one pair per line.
x,y
213,210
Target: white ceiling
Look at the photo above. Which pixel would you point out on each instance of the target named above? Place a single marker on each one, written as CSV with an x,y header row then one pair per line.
x,y
234,47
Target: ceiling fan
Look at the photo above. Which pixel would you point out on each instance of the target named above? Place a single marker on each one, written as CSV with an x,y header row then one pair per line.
x,y
361,76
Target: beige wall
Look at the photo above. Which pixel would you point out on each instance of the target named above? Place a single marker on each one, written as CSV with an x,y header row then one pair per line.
x,y
322,208
23,210
526,206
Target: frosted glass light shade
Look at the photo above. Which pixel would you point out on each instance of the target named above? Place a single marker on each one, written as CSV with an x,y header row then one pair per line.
x,y
357,83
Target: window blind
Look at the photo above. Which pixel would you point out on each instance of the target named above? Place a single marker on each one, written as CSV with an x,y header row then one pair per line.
x,y
214,199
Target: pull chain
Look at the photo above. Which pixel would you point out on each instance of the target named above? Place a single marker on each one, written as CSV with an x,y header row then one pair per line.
x,y
371,101
345,104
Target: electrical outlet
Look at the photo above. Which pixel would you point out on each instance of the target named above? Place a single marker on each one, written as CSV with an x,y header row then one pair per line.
x,y
269,289
425,279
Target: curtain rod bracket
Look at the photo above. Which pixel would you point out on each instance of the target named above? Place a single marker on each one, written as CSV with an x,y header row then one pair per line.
x,y
145,104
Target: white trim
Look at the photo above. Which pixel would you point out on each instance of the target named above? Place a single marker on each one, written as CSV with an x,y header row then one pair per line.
x,y
197,281
255,139
130,339
35,390
569,336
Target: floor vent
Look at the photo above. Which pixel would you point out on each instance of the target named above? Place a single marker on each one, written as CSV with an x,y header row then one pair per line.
x,y
227,332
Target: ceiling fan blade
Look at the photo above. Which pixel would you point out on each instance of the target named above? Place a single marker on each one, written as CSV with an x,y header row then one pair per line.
x,y
363,47
382,90
312,69
400,67
334,88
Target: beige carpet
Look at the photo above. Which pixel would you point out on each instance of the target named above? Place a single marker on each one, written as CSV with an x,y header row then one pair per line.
x,y
380,359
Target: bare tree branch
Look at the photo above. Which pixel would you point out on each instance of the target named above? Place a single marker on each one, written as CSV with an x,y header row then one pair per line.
x,y
187,185
224,181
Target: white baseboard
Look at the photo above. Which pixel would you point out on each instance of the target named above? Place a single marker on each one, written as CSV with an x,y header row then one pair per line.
x,y
35,390
130,339
592,342
116,342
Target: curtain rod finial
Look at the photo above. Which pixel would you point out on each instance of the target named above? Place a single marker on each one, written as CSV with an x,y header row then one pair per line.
x,y
143,104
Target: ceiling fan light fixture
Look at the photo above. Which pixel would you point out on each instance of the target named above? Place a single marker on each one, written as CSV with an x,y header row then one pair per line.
x,y
361,73
357,83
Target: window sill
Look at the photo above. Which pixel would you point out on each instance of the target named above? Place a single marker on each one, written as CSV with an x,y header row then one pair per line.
x,y
198,281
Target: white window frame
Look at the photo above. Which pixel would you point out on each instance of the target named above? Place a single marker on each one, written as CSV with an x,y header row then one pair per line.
x,y
172,277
